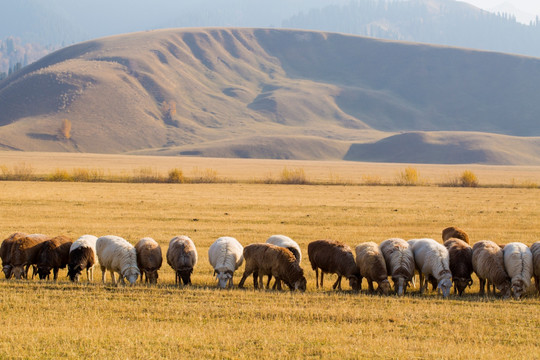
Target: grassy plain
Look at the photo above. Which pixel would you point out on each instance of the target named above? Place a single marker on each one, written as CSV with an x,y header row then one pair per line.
x,y
47,320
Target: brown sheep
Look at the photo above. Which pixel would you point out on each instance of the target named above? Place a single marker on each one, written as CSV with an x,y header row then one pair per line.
x,y
335,258
53,255
182,257
456,233
149,259
535,249
5,252
24,253
267,259
488,264
372,266
460,264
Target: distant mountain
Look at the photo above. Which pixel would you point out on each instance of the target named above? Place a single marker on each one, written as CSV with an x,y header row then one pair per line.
x,y
276,94
443,22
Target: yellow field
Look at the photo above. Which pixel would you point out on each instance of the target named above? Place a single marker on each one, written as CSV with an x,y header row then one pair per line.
x,y
47,320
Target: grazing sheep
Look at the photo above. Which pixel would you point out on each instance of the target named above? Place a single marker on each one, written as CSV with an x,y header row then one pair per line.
x,y
117,255
225,255
336,258
519,266
5,252
82,255
24,253
460,254
182,257
53,255
286,242
488,264
535,250
456,233
431,258
268,259
149,259
399,260
370,261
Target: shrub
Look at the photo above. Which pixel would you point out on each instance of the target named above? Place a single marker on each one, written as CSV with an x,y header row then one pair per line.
x,y
146,175
204,176
468,179
409,176
59,175
176,176
88,175
371,179
294,176
22,172
65,129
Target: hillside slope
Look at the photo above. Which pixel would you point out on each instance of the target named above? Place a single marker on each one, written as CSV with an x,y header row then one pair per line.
x,y
265,93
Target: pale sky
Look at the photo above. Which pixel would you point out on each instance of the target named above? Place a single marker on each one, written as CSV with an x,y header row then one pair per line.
x,y
530,8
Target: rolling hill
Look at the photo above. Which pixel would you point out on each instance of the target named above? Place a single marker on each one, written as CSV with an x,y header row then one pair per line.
x,y
270,93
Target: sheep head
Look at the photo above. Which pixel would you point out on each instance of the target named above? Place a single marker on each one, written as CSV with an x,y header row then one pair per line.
x,y
131,274
384,287
461,284
152,275
445,284
7,269
518,288
44,272
300,284
223,278
18,272
354,282
400,285
74,272
505,289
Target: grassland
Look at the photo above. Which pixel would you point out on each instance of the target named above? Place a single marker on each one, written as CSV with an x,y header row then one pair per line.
x,y
47,320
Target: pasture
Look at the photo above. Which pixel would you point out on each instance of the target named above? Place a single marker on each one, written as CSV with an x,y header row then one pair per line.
x,y
48,320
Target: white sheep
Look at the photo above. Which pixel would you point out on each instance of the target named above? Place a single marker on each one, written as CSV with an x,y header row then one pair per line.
x,y
432,258
225,255
117,255
519,266
399,260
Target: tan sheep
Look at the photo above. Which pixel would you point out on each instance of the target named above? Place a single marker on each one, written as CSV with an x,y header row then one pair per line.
x,y
456,233
5,252
372,266
149,259
24,253
182,257
488,264
53,255
267,259
399,260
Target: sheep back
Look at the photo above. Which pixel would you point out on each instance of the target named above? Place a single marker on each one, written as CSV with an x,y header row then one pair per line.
x,y
269,259
24,252
399,260
460,255
225,255
5,252
182,257
53,255
372,265
149,259
117,255
286,242
519,267
456,233
488,264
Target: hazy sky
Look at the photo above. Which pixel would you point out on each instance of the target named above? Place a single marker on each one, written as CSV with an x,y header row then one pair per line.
x,y
530,6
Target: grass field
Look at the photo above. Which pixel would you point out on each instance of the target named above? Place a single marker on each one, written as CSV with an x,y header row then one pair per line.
x,y
47,320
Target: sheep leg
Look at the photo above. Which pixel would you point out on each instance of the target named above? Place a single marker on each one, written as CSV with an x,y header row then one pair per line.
x,y
317,277
113,277
55,274
261,281
370,284
268,282
337,283
103,271
322,277
421,275
482,284
255,279
278,283
244,277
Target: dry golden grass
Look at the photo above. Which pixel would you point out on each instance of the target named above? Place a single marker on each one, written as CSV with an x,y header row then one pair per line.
x,y
47,320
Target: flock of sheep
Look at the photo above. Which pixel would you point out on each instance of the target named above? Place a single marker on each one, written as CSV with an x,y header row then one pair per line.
x,y
508,268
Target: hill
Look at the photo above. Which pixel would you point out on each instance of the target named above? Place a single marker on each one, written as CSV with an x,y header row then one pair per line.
x,y
271,94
